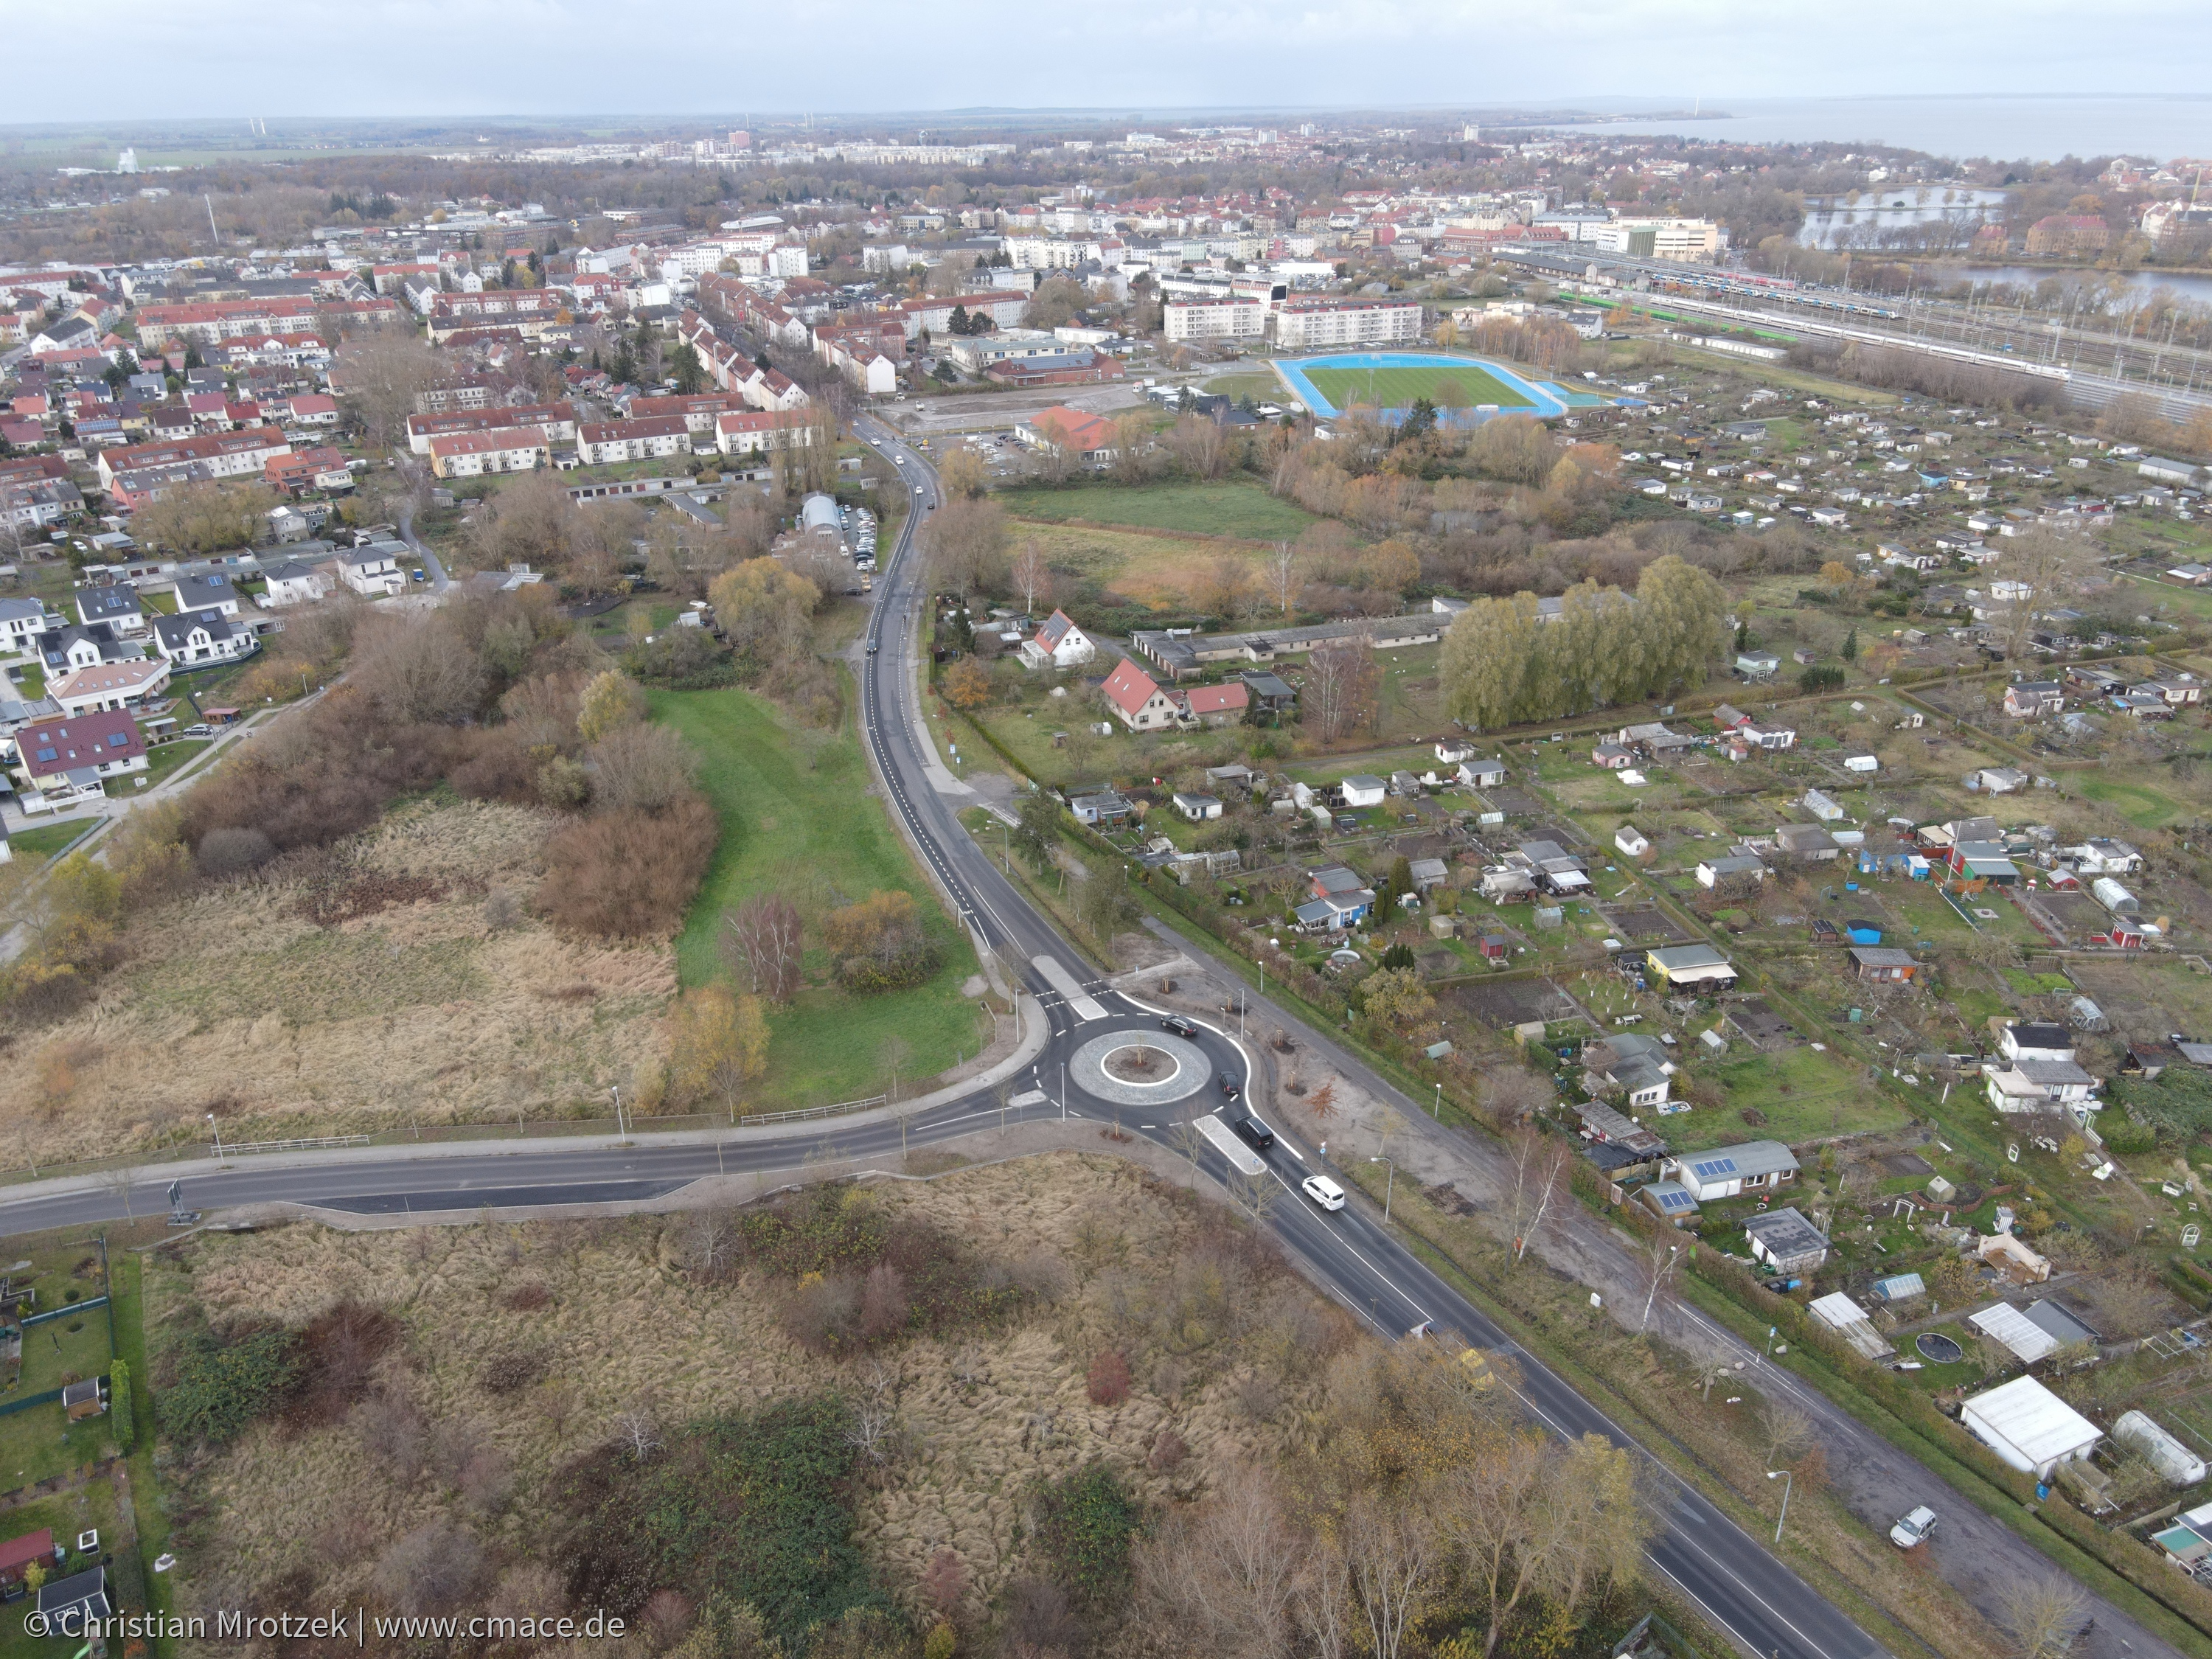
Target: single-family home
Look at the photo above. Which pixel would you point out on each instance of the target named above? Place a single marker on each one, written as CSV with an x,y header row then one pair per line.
x,y
1340,899
104,687
1682,967
1135,696
2033,699
1884,965
195,638
1362,790
292,583
1216,705
1754,1166
373,572
1058,643
21,623
115,603
1785,1241
1196,807
204,590
1757,664
80,748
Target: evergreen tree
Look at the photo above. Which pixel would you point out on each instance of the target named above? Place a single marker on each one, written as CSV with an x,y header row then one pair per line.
x,y
1851,645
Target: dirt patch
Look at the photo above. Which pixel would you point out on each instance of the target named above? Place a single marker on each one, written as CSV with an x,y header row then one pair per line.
x,y
1512,1002
1641,926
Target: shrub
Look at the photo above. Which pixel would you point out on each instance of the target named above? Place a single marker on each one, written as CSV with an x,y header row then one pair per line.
x,y
1109,1379
882,944
628,874
1086,1521
638,767
120,1422
234,852
218,1386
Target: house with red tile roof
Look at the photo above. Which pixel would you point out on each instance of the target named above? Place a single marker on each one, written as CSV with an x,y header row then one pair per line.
x,y
1217,705
1137,698
1058,643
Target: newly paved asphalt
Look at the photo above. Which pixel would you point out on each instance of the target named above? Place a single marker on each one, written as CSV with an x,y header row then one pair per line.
x,y
1768,1611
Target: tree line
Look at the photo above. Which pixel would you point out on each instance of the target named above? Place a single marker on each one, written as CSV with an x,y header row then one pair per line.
x,y
1503,664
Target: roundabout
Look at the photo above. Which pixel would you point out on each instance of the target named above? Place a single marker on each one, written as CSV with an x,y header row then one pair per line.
x,y
1138,1068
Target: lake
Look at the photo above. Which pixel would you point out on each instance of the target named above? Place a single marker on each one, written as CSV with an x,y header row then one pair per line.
x,y
2042,128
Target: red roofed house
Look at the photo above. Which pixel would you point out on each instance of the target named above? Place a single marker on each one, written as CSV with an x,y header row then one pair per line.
x,y
756,432
314,408
1059,642
1089,436
1217,705
81,748
225,454
504,449
320,468
1133,694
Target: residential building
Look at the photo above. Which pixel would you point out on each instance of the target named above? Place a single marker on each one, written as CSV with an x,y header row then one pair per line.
x,y
761,432
2033,699
609,443
558,421
1058,643
1301,323
203,590
22,622
1214,319
1216,705
293,583
502,449
109,686
373,572
196,639
78,750
223,454
318,468
1134,696
1636,1068
1089,438
2068,235
115,603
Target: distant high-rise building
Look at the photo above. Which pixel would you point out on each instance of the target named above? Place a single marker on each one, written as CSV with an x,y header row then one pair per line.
x,y
740,139
1471,133
128,162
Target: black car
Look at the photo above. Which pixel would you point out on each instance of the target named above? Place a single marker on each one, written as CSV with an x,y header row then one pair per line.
x,y
871,647
1179,1025
1230,1086
1258,1133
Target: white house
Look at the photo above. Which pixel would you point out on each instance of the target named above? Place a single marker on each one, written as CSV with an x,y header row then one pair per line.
x,y
199,637
1360,790
21,623
2039,1071
207,590
293,583
371,572
1631,841
1478,773
113,603
1137,698
106,686
1058,642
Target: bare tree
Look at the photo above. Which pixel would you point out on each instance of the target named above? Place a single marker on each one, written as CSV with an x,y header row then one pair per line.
x,y
1540,1182
1280,574
636,1433
1394,1562
763,939
1322,1599
1190,1141
1784,1431
1658,1265
2043,1616
1254,1193
1032,574
874,1425
1227,1574
1710,1371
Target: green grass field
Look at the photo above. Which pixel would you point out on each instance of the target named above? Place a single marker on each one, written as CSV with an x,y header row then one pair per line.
x,y
1238,508
798,818
1397,388
47,839
2144,808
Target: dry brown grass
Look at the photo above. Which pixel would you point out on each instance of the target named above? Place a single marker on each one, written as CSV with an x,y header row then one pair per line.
x,y
623,1327
235,1002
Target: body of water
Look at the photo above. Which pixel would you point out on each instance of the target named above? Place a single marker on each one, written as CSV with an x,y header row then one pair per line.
x,y
2189,286
2005,127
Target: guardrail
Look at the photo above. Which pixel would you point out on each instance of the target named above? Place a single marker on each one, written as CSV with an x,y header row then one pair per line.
x,y
802,1114
305,1144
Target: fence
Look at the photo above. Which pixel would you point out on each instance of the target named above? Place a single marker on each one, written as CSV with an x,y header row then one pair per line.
x,y
9,1408
30,1320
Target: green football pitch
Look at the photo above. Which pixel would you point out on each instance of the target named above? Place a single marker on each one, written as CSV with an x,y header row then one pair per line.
x,y
1397,388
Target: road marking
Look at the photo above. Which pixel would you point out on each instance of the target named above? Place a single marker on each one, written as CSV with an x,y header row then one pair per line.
x,y
1064,983
1240,1156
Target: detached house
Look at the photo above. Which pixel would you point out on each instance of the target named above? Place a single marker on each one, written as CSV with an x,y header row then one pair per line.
x,y
1216,705
1135,696
198,638
1058,643
205,590
2036,1071
293,583
1679,967
113,603
371,572
1635,1067
108,686
73,752
1339,900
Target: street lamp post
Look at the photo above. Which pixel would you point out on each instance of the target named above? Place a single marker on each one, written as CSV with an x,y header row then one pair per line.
x,y
1437,1110
217,1128
1787,1478
622,1134
1389,1185
1063,1091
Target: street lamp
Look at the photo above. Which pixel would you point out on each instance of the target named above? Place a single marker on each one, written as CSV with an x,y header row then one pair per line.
x,y
622,1134
1787,1478
1389,1185
217,1128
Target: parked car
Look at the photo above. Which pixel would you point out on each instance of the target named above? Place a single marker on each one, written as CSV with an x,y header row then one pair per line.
x,y
198,732
1230,1086
1914,1528
1258,1133
1323,1192
1179,1025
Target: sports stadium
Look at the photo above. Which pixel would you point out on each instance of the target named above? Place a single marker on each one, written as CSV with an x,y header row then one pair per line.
x,y
1462,388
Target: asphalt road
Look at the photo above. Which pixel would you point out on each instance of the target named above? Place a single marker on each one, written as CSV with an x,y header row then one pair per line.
x,y
1743,1589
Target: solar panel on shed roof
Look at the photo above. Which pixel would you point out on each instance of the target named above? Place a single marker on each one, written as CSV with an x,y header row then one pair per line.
x,y
1676,1200
1713,1167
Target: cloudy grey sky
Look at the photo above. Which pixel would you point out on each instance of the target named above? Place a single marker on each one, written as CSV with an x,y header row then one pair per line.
x,y
458,58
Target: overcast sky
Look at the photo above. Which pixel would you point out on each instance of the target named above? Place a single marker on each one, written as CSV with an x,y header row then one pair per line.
x,y
464,58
